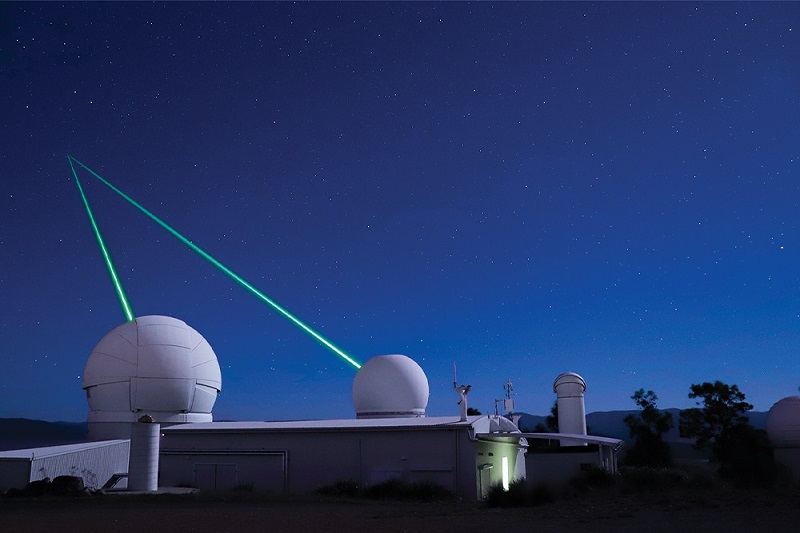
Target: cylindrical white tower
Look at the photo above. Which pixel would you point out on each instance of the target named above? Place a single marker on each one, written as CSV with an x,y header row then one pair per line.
x,y
570,387
143,461
390,386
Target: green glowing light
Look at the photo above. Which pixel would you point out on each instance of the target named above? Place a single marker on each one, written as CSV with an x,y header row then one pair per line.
x,y
230,273
126,308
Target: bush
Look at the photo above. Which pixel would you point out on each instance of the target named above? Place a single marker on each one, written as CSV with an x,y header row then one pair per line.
x,y
519,495
347,488
515,496
648,429
541,495
395,489
392,489
644,479
593,479
745,455
649,450
428,491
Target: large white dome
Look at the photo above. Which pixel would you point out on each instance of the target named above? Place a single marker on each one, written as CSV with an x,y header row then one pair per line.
x,y
154,365
783,423
389,386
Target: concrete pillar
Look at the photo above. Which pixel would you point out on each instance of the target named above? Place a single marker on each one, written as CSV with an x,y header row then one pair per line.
x,y
143,464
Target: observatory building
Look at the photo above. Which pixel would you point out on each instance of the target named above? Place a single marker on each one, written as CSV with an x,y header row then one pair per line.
x,y
390,438
151,384
154,365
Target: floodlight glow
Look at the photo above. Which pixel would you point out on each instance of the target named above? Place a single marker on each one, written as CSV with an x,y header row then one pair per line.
x,y
126,308
230,273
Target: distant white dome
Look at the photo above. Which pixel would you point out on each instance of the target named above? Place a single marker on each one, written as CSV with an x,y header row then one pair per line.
x,y
783,423
154,365
569,384
389,386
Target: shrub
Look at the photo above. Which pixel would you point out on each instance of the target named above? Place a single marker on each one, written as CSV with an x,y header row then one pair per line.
x,y
392,489
519,495
745,455
647,429
641,479
541,495
347,488
395,489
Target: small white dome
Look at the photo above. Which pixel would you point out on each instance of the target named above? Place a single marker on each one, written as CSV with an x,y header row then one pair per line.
x,y
156,365
783,423
569,384
390,386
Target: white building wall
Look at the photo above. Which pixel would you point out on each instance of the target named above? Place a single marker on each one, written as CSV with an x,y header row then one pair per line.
x,y
556,468
304,461
94,462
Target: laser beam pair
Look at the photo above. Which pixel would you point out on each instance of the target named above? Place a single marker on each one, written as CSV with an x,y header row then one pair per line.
x,y
126,308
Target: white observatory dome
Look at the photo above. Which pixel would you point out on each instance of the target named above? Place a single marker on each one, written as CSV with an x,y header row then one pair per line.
x,y
783,423
155,365
390,386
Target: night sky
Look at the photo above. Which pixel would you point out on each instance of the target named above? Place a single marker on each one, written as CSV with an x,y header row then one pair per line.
x,y
524,189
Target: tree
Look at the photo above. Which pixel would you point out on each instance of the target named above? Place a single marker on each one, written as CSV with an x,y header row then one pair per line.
x,y
471,411
648,429
713,425
742,452
551,420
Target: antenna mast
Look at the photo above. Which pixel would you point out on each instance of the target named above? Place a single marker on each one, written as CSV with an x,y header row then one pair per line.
x,y
508,401
462,391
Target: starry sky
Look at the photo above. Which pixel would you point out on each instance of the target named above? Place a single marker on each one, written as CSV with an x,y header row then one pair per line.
x,y
522,188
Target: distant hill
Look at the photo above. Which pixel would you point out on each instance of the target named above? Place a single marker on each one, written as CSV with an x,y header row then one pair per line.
x,y
20,433
612,424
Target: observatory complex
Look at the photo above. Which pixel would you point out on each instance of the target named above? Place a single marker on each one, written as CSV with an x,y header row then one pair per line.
x,y
151,384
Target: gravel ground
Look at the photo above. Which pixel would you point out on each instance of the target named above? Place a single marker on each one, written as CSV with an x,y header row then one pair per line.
x,y
685,511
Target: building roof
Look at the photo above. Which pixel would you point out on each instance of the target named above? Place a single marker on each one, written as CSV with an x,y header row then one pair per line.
x,y
47,451
589,439
480,423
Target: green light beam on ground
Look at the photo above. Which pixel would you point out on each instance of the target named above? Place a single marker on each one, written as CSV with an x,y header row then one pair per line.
x,y
233,275
126,307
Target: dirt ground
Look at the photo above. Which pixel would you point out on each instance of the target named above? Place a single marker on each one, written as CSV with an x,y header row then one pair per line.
x,y
695,510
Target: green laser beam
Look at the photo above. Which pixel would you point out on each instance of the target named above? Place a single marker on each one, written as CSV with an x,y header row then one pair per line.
x,y
230,273
126,307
